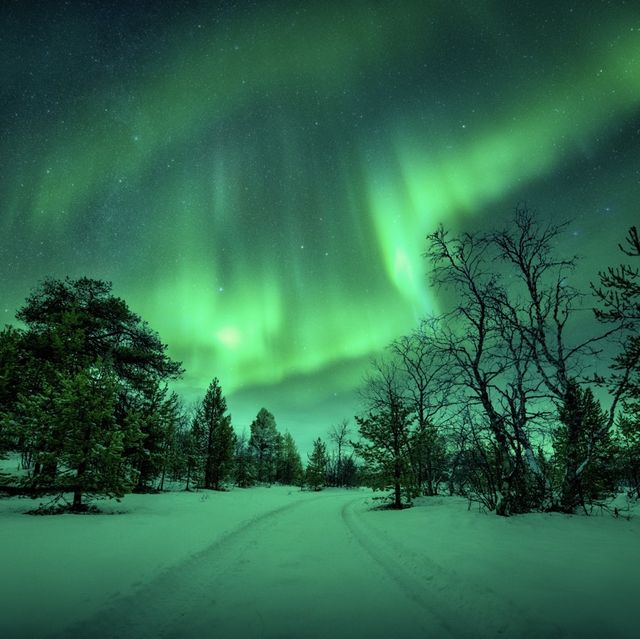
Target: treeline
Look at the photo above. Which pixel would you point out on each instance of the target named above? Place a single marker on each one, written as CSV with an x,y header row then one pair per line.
x,y
494,398
84,401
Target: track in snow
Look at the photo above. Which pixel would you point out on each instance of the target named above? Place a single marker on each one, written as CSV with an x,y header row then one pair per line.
x,y
312,569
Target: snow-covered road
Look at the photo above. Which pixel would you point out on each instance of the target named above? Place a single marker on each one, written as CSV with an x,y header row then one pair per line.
x,y
303,570
277,562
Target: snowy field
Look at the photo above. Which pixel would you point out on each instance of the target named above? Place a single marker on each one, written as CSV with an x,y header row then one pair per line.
x,y
281,563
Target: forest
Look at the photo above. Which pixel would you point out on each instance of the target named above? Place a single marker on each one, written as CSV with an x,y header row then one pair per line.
x,y
522,394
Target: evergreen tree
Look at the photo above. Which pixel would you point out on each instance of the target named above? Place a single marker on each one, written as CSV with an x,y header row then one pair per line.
x,y
628,441
289,464
317,466
263,444
84,443
243,462
214,436
153,414
74,328
384,451
349,472
583,450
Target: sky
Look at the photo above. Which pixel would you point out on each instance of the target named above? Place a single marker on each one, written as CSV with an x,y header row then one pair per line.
x,y
257,179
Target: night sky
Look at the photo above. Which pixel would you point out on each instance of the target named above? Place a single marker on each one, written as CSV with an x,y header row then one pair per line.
x,y
257,179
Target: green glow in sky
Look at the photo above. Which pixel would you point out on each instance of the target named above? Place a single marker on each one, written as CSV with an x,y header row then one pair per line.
x,y
258,183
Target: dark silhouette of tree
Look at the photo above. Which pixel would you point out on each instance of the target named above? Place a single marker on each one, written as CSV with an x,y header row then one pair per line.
x,y
317,467
243,462
628,442
288,463
214,437
263,443
583,450
427,393
486,357
385,431
513,342
339,435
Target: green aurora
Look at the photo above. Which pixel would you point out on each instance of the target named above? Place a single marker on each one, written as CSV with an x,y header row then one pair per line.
x,y
257,180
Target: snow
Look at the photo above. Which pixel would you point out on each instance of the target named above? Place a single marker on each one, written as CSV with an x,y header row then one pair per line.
x,y
278,562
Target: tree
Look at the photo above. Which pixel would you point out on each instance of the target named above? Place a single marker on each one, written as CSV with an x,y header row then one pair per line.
x,y
619,299
339,435
153,414
74,323
487,357
85,441
288,464
513,340
628,440
243,462
583,450
263,444
385,430
74,329
214,436
317,466
427,392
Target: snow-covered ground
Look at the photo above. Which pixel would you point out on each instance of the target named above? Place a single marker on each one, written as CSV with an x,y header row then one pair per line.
x,y
277,562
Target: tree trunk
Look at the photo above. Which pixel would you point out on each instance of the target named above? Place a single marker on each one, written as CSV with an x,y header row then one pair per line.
x,y
77,500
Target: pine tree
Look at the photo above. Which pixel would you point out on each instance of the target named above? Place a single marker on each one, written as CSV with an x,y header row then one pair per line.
x,y
75,327
583,451
215,439
81,440
263,444
628,441
289,464
243,462
317,467
384,449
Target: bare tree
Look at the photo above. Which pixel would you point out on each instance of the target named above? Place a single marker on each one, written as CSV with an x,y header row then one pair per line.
x,y
543,314
427,387
487,357
339,435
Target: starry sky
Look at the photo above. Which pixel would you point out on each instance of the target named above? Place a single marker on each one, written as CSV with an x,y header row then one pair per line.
x,y
257,178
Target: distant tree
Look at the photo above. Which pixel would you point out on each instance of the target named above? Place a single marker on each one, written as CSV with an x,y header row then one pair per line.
x,y
288,464
214,436
317,466
243,462
339,435
350,472
263,443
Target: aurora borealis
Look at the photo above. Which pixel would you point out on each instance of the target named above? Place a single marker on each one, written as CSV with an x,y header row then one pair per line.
x,y
257,179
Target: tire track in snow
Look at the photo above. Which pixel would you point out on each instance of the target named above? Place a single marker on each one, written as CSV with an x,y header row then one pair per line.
x,y
178,586
465,609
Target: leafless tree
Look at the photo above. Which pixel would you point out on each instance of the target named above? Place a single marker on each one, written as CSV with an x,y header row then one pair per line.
x,y
544,311
490,362
339,435
427,387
